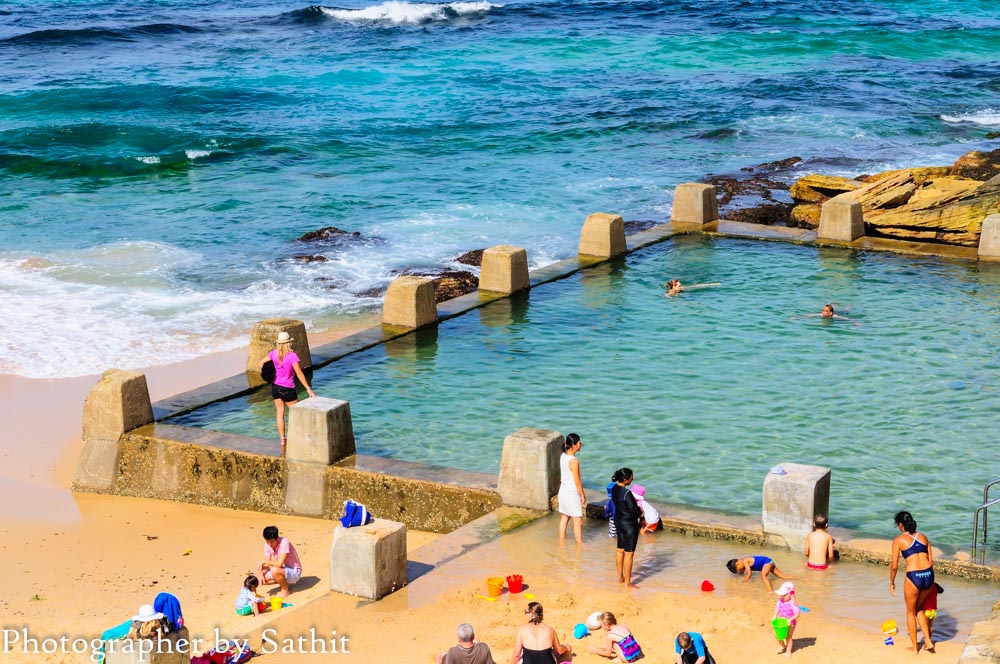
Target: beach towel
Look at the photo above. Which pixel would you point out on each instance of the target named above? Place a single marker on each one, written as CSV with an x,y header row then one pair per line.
x,y
355,514
170,607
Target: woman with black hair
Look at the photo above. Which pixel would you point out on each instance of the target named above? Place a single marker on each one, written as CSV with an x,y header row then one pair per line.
x,y
572,499
627,516
919,560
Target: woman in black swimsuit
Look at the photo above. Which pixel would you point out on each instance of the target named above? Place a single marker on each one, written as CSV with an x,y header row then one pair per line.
x,y
919,559
627,515
536,642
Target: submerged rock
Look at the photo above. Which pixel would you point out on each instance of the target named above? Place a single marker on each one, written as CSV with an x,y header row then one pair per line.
x,y
328,233
638,226
310,258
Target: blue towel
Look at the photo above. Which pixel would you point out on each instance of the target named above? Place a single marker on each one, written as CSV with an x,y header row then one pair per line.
x,y
170,607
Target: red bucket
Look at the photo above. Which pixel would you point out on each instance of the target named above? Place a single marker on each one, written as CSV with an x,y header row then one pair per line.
x,y
515,582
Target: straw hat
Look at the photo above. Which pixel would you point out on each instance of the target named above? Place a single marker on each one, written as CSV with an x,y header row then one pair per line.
x,y
147,613
283,338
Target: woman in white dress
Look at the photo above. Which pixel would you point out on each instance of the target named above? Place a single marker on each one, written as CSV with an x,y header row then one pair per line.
x,y
571,496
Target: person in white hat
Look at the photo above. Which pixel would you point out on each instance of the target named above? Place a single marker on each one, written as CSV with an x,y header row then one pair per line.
x,y
147,624
788,609
286,368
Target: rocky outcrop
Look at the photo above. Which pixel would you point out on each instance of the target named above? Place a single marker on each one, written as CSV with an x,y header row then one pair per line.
x,y
447,283
944,204
329,234
473,258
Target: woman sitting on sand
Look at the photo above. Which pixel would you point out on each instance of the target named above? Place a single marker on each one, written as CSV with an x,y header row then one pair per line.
x,y
536,642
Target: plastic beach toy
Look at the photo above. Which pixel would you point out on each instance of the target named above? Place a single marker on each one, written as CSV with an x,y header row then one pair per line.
x,y
706,586
494,585
528,596
889,627
593,621
580,631
888,641
276,603
780,628
515,582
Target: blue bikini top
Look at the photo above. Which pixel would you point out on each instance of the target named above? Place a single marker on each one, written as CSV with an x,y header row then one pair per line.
x,y
916,547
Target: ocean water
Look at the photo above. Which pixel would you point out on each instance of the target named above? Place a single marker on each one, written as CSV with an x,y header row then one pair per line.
x,y
158,159
701,394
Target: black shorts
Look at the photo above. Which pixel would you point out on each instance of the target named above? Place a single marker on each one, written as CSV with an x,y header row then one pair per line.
x,y
286,394
628,535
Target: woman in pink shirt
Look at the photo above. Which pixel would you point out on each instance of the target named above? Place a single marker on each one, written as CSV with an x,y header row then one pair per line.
x,y
286,368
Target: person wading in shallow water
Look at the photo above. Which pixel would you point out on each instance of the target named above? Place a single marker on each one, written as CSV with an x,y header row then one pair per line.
x,y
916,551
286,368
627,525
572,499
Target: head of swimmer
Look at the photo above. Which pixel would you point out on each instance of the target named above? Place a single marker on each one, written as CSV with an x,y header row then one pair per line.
x,y
828,311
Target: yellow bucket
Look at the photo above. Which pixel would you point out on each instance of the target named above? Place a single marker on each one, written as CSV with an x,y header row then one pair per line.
x,y
276,603
889,627
494,585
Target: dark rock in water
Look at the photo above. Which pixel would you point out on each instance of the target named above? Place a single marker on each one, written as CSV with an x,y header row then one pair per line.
x,y
638,226
327,234
730,186
310,258
454,283
773,166
447,283
769,214
716,134
377,291
474,258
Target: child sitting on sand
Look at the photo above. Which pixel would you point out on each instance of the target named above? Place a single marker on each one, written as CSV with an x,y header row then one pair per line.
x,y
248,602
750,564
786,608
819,545
649,513
619,644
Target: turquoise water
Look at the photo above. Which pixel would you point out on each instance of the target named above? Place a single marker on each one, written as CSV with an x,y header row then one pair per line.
x,y
159,158
702,393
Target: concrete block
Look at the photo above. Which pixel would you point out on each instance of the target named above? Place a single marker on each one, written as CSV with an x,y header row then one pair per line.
x,y
504,269
368,561
173,648
989,238
695,203
409,302
529,468
265,333
119,402
320,431
306,488
603,236
792,501
841,219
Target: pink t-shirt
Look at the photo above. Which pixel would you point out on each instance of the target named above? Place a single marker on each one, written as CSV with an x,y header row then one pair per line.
x,y
284,372
786,609
284,546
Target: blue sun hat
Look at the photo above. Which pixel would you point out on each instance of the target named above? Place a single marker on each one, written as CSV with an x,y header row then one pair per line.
x,y
580,631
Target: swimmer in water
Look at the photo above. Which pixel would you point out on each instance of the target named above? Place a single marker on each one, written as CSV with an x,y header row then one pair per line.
x,y
675,287
828,312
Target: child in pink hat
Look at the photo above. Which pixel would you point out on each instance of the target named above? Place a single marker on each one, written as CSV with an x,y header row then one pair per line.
x,y
649,513
788,609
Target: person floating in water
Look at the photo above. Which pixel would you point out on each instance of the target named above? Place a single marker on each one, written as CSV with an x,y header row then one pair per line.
x,y
675,287
829,313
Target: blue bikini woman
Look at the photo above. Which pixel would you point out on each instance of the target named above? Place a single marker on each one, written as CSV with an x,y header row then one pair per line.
x,y
916,551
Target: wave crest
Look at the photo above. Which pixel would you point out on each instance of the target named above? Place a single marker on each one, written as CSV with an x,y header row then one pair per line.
x,y
406,13
987,116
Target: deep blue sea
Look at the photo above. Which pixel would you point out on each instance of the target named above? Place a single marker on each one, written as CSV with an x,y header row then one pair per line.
x,y
158,159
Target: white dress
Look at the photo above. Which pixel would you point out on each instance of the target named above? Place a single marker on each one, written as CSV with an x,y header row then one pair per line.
x,y
569,497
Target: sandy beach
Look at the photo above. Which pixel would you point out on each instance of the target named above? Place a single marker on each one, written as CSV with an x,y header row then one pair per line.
x,y
81,563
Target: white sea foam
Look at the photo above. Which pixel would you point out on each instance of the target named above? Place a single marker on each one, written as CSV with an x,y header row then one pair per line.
x,y
406,13
197,154
148,160
987,116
